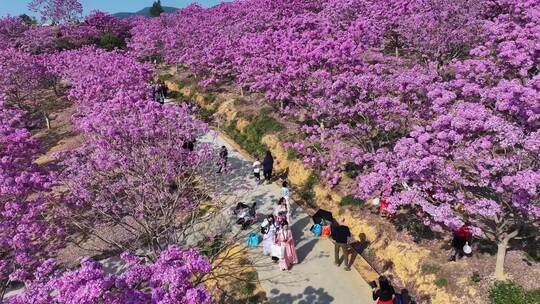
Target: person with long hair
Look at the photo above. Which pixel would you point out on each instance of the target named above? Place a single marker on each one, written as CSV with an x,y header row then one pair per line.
x,y
385,293
268,230
285,239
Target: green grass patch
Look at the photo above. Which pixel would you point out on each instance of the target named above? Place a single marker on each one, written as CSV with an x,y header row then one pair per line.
x,y
475,278
250,139
291,154
349,200
165,77
511,293
441,282
209,98
430,268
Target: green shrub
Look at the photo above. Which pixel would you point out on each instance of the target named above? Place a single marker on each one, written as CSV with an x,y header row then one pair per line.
x,y
352,170
533,296
110,42
441,282
475,278
213,248
165,77
413,226
349,200
210,98
511,293
507,293
207,114
291,154
306,192
248,287
430,268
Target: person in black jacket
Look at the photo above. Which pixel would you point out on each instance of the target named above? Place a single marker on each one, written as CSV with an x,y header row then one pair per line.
x,y
268,164
385,293
222,163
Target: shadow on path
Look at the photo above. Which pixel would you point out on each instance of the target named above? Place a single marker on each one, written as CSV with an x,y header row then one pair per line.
x,y
309,296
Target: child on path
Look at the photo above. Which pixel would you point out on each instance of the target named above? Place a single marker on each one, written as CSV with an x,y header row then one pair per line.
x,y
285,194
285,239
257,170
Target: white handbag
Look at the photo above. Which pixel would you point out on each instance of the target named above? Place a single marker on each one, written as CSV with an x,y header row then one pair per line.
x,y
467,249
376,201
278,251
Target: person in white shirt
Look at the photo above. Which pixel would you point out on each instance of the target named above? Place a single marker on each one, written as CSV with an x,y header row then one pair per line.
x,y
257,169
285,194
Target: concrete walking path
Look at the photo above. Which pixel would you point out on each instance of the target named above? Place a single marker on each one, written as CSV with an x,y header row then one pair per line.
x,y
315,279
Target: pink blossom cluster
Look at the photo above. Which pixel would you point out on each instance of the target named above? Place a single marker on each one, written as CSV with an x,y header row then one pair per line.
x,y
167,280
29,233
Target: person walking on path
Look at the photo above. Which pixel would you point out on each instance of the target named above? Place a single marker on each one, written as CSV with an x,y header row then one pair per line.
x,y
285,239
285,194
341,235
268,230
462,237
223,154
282,212
385,293
268,165
257,170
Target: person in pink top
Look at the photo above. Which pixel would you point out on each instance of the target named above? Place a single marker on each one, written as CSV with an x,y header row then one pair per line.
x,y
285,238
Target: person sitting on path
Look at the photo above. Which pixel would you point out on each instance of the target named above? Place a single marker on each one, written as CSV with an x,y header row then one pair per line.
x,y
268,165
341,235
268,230
385,293
222,163
257,170
462,236
285,238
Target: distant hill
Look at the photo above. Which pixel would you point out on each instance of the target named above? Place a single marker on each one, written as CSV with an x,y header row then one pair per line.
x,y
145,12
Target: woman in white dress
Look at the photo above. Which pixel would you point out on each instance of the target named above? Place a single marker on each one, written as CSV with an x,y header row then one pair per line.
x,y
268,230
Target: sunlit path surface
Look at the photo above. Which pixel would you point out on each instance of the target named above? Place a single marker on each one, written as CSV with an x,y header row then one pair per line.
x,y
315,279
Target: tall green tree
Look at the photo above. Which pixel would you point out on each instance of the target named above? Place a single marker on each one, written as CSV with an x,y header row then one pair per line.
x,y
156,9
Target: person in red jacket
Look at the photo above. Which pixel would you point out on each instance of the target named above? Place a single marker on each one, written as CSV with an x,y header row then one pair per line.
x,y
462,236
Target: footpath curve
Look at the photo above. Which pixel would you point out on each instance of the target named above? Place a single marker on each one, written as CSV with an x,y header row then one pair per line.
x,y
315,279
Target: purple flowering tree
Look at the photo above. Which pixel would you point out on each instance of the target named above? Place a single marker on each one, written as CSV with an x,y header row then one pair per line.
x,y
172,278
57,11
29,232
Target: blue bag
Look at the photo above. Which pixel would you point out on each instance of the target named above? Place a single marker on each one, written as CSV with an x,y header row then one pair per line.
x,y
253,240
316,230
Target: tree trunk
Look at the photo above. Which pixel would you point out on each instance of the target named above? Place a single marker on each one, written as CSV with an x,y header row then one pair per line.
x,y
47,121
397,51
501,254
241,91
321,125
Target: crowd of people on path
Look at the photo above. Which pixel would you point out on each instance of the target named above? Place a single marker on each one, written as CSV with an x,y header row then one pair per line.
x,y
278,242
